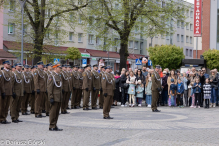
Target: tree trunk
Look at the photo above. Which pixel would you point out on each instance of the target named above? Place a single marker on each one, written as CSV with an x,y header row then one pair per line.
x,y
123,53
38,48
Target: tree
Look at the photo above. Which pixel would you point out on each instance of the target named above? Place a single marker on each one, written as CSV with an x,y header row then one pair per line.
x,y
212,57
120,18
45,18
73,53
167,56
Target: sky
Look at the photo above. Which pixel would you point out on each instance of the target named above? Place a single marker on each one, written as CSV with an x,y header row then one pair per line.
x,y
191,1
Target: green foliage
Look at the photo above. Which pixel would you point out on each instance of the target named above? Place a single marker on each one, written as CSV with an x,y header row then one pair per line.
x,y
168,56
212,57
73,53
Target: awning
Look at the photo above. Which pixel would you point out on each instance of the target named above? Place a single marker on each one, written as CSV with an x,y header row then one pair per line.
x,y
7,56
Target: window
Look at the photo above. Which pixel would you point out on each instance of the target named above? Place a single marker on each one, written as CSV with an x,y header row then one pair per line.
x,y
141,47
97,41
177,37
56,39
191,14
79,19
70,36
218,26
47,35
71,17
11,28
117,6
25,29
187,26
80,37
12,5
190,53
79,2
187,52
48,13
178,23
91,20
163,4
116,41
136,29
191,27
136,45
182,25
190,40
167,36
182,38
187,13
130,44
90,39
187,39
171,39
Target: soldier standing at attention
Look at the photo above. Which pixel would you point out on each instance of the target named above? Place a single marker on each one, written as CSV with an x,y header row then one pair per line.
x,y
70,80
55,96
66,90
28,89
19,93
32,99
107,85
101,98
75,86
6,92
96,86
45,105
156,88
87,86
114,84
80,71
40,89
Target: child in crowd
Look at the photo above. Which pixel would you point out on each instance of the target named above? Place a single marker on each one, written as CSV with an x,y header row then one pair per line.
x,y
207,92
148,90
172,96
180,91
197,92
139,92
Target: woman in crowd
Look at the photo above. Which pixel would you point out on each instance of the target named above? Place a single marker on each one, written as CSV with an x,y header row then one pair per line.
x,y
185,84
139,76
202,81
191,99
165,88
117,93
148,90
214,88
174,77
122,81
131,91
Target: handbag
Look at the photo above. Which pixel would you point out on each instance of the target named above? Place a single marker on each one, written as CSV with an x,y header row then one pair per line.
x,y
126,86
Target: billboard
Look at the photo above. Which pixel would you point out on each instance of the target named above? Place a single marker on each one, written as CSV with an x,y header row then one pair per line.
x,y
197,18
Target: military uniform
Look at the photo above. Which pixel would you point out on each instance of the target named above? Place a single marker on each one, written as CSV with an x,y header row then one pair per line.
x,y
66,91
40,90
96,86
156,88
107,86
47,103
80,89
101,98
7,88
32,99
54,89
86,88
28,91
19,92
75,86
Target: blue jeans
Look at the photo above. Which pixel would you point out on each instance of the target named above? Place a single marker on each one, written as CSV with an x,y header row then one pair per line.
x,y
172,100
164,96
139,100
213,95
148,99
191,92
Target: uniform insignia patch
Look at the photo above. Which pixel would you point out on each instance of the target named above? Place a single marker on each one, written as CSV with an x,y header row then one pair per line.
x,y
50,79
35,73
103,78
152,75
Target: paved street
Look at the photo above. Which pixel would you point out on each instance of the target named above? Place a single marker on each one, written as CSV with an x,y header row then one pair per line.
x,y
131,126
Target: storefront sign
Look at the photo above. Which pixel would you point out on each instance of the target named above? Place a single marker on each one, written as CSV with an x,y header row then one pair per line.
x,y
94,58
197,18
85,55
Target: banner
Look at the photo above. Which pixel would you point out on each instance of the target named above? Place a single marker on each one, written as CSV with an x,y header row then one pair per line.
x,y
197,18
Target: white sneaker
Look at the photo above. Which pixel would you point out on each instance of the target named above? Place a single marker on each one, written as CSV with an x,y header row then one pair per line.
x,y
133,105
214,104
149,105
122,105
191,106
130,105
198,106
139,105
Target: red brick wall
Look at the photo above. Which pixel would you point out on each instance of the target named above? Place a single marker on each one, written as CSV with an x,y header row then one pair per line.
x,y
205,27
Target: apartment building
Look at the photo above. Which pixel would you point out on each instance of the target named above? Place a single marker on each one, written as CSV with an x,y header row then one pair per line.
x,y
181,33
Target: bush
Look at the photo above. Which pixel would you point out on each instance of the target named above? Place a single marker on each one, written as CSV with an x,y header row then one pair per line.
x,y
212,57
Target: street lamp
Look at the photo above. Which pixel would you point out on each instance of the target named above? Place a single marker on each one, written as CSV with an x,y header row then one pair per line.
x,y
22,3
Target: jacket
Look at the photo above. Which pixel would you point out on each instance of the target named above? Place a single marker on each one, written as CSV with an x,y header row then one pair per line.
x,y
75,79
107,84
66,81
139,89
181,88
148,90
96,79
173,89
185,83
8,78
164,83
40,80
28,82
18,83
142,78
156,81
214,83
122,80
87,80
196,88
